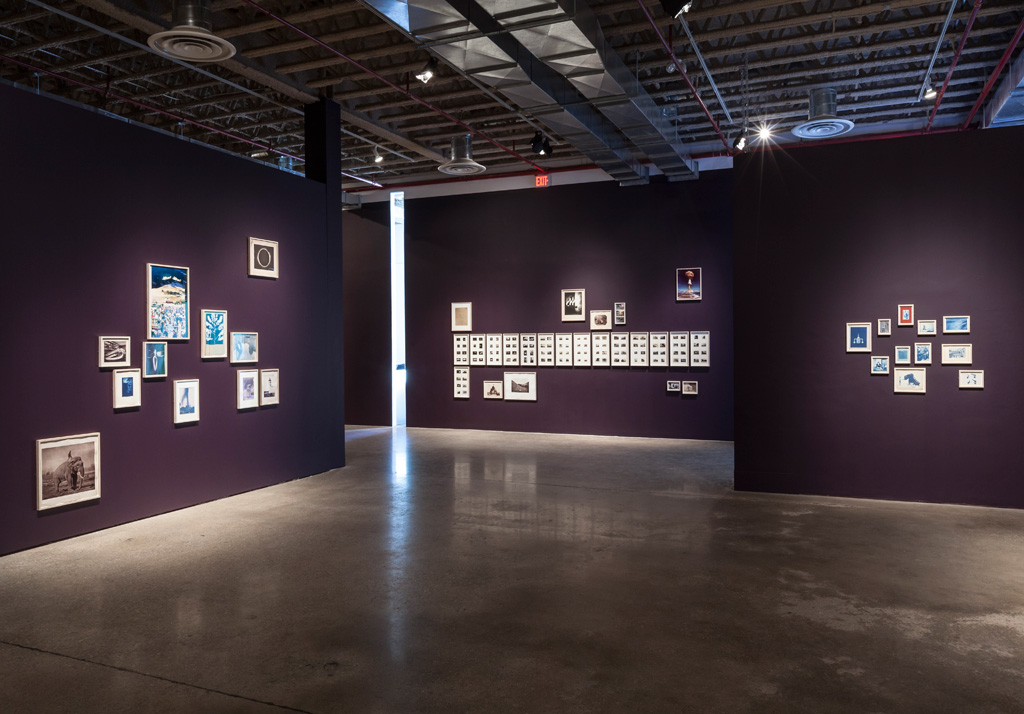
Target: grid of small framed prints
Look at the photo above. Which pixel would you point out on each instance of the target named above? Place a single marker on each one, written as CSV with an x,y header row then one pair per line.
x,y
461,349
478,350
510,348
638,349
581,349
700,348
494,351
679,349
659,349
461,382
546,350
601,346
528,350
620,349
563,349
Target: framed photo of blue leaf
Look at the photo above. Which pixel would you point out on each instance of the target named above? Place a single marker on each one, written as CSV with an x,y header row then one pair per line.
x,y
167,294
215,334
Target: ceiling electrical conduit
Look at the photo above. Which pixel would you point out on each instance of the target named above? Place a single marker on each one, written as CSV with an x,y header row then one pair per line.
x,y
995,75
952,67
397,88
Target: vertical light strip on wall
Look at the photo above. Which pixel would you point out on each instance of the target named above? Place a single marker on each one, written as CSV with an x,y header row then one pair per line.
x,y
398,308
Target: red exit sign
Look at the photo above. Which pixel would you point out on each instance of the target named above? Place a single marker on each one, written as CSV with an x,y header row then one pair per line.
x,y
543,180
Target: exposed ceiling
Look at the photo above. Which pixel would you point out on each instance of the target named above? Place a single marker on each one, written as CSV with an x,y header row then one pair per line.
x,y
594,76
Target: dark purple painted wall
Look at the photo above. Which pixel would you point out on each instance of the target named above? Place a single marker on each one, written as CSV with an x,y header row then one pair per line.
x,y
368,315
511,253
94,200
827,236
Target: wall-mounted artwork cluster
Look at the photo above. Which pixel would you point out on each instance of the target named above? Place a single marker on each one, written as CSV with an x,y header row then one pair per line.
x,y
910,362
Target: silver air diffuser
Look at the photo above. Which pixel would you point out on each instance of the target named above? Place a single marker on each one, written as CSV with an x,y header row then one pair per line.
x,y
191,38
822,122
460,162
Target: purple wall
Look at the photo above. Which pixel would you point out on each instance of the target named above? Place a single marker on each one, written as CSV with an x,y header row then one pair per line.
x,y
94,200
831,235
511,253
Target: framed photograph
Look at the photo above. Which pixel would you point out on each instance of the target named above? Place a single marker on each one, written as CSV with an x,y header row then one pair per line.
x,y
510,349
879,364
909,380
520,386
546,349
461,382
127,388
700,348
186,401
115,352
528,350
638,349
215,334
563,349
926,328
601,349
462,317
884,327
673,385
620,349
858,336
972,379
247,381
956,324
903,354
600,319
245,347
67,470
905,315
574,306
167,290
494,389
461,350
154,360
620,313
659,349
270,387
581,349
679,349
689,388
478,350
494,351
689,285
263,258
922,353
957,354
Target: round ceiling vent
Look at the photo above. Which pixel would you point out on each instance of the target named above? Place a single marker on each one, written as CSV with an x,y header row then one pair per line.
x,y
822,128
461,162
192,44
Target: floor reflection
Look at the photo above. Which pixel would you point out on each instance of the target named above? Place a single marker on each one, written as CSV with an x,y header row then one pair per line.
x,y
397,543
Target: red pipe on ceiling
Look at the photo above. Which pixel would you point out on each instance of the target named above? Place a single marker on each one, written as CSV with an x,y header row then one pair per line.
x,y
682,73
995,75
952,67
410,95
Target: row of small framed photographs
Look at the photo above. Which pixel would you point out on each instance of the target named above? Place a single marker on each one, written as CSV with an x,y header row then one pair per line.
x,y
513,387
951,325
686,388
914,380
116,352
584,349
255,388
921,353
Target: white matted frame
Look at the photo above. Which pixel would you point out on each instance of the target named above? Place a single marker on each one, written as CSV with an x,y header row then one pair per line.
x,y
659,349
620,313
462,317
461,382
270,387
884,327
910,380
574,305
460,347
127,385
620,349
600,319
264,258
494,351
214,324
638,349
494,389
168,316
927,328
247,388
546,349
858,336
563,349
520,386
115,351
186,401
154,360
957,354
67,470
601,348
245,347
972,379
700,348
510,348
922,353
679,349
904,354
581,349
690,388
905,315
673,385
528,349
478,350
879,364
956,324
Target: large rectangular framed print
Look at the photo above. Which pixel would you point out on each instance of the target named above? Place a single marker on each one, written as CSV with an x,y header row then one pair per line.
x,y
956,324
620,349
493,350
574,305
972,379
546,349
659,349
700,348
167,297
910,380
215,334
581,349
510,349
520,386
461,383
461,350
478,350
957,354
638,349
600,319
601,349
528,350
563,349
67,470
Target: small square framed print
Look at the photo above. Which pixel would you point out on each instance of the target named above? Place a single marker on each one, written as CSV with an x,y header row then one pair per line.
x,y
858,336
884,327
127,392
186,401
67,470
270,387
248,388
926,328
909,380
520,386
957,354
972,379
154,360
115,352
245,347
673,385
600,319
215,334
905,315
689,285
620,313
689,388
462,317
263,258
574,305
879,364
956,324
922,353
494,389
903,354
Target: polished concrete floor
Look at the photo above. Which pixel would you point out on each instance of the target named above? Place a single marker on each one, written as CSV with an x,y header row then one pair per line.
x,y
447,571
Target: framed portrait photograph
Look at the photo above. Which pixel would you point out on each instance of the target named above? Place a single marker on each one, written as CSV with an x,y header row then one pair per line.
x,y
957,354
494,351
478,350
879,364
600,319
67,470
972,379
247,392
245,347
884,327
922,353
858,336
581,349
215,334
461,350
154,360
956,324
186,401
520,386
167,313
926,328
689,285
574,305
905,315
620,313
673,385
462,317
909,380
270,387
127,388
494,389
461,383
263,258
903,354
115,352
690,388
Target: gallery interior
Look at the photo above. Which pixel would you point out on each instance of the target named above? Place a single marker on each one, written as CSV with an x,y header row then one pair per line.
x,y
557,355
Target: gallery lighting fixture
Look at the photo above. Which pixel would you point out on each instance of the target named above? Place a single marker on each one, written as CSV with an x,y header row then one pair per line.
x,y
740,143
377,158
429,70
675,8
764,133
930,91
540,144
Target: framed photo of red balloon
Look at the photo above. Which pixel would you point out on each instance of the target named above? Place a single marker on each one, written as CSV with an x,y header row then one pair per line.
x,y
689,285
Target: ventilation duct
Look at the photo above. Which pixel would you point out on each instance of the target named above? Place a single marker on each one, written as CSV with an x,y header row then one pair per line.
x,y
191,38
460,161
822,122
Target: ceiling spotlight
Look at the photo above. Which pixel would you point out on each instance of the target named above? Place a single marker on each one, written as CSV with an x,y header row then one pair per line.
x,y
377,158
429,70
670,67
540,144
930,91
687,6
740,143
764,133
675,8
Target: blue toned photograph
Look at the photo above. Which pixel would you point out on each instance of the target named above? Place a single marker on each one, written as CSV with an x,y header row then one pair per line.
x,y
244,347
215,333
127,386
956,324
879,365
910,380
168,302
903,355
155,359
858,336
922,353
185,404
